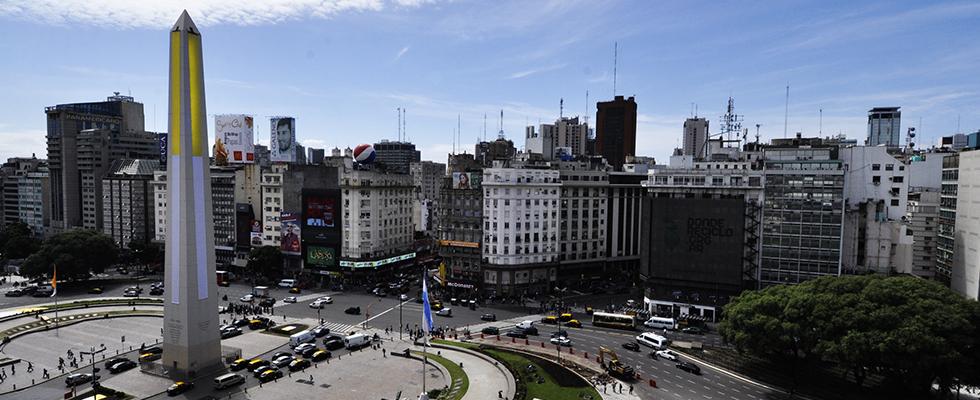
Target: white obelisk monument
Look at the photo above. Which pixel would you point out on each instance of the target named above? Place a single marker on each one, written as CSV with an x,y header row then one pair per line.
x,y
191,343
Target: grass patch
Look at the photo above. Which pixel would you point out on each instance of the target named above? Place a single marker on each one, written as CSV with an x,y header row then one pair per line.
x,y
541,380
286,329
456,389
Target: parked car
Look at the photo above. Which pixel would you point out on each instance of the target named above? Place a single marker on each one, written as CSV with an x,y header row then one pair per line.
x,y
320,331
255,363
282,361
258,371
270,375
179,387
308,352
694,330
238,364
353,310
121,366
319,303
689,367
230,332
299,364
304,347
321,355
561,341
666,354
491,330
631,346
241,322
290,299
149,357
260,323
14,293
333,343
489,317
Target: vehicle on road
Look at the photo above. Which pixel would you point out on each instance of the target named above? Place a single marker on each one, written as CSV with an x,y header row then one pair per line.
x,y
490,330
301,338
255,363
157,291
308,352
282,361
258,371
294,290
559,333
403,297
299,364
267,302
95,290
179,387
589,310
357,341
270,375
689,367
565,317
281,353
320,331
14,293
287,283
260,291
609,361
121,366
445,312
44,291
661,323
665,354
517,334
319,303
525,324
290,299
333,343
353,310
230,332
652,340
241,322
573,323
260,323
489,317
223,278
610,320
694,330
238,364
248,298
148,357
533,330
550,319
130,293
561,341
321,355
77,379
228,380
631,346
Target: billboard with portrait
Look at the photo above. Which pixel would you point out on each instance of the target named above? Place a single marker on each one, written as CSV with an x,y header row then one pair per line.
x,y
321,255
291,242
256,238
467,180
235,132
282,144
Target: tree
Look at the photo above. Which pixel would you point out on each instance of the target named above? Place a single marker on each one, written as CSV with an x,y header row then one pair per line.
x,y
77,253
265,261
145,253
17,241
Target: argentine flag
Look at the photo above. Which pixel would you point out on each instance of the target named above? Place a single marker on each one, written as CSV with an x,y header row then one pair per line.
x,y
426,310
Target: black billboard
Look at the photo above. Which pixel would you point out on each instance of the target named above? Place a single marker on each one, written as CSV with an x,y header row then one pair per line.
x,y
244,220
693,244
321,221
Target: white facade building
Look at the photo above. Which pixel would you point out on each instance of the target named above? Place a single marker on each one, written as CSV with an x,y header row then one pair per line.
x,y
922,220
966,254
377,214
272,203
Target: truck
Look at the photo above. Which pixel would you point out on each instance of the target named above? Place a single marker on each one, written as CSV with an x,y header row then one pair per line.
x,y
260,291
610,362
354,342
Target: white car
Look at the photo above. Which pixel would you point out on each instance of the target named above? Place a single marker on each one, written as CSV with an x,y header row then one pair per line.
x,y
525,324
290,299
303,347
319,303
247,298
667,354
561,341
445,312
403,297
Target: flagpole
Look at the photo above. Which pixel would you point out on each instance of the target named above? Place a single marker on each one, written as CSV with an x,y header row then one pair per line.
x,y
54,293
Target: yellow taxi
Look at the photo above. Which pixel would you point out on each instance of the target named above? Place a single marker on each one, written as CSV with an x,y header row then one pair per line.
x,y
147,357
436,306
565,317
238,364
255,363
551,319
179,387
574,323
294,290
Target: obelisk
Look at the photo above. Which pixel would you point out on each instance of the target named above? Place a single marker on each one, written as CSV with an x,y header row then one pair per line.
x,y
191,343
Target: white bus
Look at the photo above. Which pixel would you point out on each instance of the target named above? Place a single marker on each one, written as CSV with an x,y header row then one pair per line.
x,y
661,323
609,320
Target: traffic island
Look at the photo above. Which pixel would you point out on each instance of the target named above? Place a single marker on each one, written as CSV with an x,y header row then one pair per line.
x,y
460,382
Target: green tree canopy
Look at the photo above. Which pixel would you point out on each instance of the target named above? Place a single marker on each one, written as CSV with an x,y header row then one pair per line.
x,y
16,241
75,252
911,331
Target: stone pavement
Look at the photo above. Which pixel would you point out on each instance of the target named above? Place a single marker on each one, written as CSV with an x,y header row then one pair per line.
x,y
486,376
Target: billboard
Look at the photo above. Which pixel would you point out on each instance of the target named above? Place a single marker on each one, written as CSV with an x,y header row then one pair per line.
x,y
235,133
320,211
321,255
321,217
244,226
467,180
291,243
282,144
694,244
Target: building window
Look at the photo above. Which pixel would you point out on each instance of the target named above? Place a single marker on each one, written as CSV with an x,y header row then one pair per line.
x,y
876,167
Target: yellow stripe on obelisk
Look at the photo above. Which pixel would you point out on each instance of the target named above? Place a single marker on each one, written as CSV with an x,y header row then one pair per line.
x,y
196,75
174,142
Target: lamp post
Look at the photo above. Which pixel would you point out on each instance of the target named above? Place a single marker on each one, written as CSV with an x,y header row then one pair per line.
x,y
92,352
561,307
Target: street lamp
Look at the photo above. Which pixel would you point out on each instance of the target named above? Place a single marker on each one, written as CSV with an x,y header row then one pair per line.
x,y
561,307
92,352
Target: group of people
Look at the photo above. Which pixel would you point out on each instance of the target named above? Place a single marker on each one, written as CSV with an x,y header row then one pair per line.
x,y
248,309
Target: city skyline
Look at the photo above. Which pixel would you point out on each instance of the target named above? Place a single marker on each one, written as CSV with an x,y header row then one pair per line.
x,y
348,67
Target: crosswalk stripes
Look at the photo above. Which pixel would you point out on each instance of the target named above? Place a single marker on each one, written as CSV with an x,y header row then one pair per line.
x,y
336,327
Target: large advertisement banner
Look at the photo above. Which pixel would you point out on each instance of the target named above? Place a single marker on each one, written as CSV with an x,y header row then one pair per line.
x,y
291,243
320,211
282,144
321,255
256,237
467,180
236,133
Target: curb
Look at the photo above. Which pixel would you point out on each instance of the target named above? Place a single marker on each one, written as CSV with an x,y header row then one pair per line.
x,y
500,367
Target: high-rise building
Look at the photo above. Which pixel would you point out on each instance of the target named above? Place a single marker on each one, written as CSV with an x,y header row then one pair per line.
x,y
966,257
128,204
884,126
582,221
945,240
21,197
315,156
541,141
803,209
427,179
616,130
460,224
695,137
223,214
566,135
83,140
485,153
397,156
922,219
377,215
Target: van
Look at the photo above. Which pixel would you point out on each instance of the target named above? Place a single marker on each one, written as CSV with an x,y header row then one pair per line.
x,y
661,323
526,324
357,341
652,340
228,380
287,283
301,337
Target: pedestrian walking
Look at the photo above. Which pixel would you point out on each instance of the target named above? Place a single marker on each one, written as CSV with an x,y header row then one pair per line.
x,y
384,353
631,389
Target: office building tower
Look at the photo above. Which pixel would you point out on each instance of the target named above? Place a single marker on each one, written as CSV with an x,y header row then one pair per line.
x,y
427,179
616,130
396,156
129,201
23,193
485,153
803,209
884,126
83,139
945,240
695,137
222,217
582,219
541,141
460,224
966,255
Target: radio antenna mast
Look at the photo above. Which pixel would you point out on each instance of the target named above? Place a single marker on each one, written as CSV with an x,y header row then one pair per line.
x,y
615,62
786,115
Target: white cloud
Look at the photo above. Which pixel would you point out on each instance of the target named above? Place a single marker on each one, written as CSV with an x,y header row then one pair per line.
x,y
163,13
22,143
533,71
401,53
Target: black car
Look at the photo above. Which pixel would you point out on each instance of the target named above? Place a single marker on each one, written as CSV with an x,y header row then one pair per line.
x,y
46,291
689,367
14,293
531,330
240,322
694,330
29,289
353,310
267,302
280,354
152,350
320,331
309,352
156,291
632,346
333,343
517,334
489,317
560,333
491,330
121,366
299,364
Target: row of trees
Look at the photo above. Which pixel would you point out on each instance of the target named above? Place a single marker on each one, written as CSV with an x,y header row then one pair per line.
x,y
17,242
910,331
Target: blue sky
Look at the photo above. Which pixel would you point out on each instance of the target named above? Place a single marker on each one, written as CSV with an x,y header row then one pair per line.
x,y
342,68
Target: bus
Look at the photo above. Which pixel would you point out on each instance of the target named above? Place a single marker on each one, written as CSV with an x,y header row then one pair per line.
x,y
609,320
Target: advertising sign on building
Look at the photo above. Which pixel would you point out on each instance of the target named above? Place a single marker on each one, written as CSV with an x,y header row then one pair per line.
x,y
291,243
235,133
282,144
466,180
320,211
320,255
256,238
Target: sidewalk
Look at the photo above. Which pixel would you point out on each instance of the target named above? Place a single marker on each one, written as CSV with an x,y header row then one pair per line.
x,y
487,378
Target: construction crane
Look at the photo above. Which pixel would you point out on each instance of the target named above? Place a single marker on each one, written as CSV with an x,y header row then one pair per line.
x,y
614,367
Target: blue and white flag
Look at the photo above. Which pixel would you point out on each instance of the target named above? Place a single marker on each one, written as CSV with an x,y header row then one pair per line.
x,y
426,310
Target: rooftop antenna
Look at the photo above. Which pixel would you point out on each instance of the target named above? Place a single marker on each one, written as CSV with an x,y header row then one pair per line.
x,y
731,123
454,142
586,107
695,110
484,127
615,61
459,130
757,126
399,110
500,134
692,109
561,108
404,117
786,115
958,123
821,123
